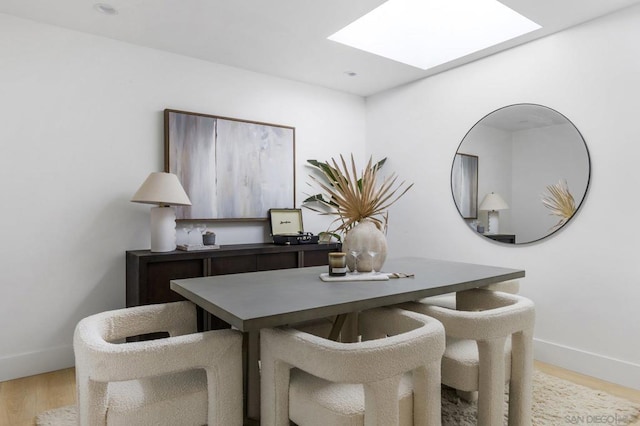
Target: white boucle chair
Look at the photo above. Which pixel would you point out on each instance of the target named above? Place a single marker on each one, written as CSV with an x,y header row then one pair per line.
x,y
449,300
188,378
388,381
487,347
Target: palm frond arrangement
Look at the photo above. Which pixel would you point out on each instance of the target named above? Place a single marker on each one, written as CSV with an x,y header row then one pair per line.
x,y
352,197
560,202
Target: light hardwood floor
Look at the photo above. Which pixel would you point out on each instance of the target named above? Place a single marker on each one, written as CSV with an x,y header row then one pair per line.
x,y
22,399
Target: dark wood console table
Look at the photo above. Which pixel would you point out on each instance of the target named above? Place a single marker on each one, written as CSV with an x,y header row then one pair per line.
x,y
503,238
148,274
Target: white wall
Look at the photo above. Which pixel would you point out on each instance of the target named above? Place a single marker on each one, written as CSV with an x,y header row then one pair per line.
x,y
584,279
81,128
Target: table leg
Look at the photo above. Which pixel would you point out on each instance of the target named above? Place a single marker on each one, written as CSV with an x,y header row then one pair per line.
x,y
350,332
347,324
252,375
337,327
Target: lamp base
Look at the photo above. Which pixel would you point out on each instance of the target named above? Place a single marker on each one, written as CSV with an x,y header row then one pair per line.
x,y
163,229
493,227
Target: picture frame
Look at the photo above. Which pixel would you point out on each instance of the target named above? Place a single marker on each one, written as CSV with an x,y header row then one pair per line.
x,y
231,169
464,184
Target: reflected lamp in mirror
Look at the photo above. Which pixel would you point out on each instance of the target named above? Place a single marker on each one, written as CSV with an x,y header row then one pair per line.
x,y
493,203
165,190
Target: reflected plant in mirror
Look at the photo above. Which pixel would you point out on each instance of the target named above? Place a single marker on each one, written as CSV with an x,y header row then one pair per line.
x,y
516,151
560,202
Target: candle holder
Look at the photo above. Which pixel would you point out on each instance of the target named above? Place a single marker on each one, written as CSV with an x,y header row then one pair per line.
x,y
337,264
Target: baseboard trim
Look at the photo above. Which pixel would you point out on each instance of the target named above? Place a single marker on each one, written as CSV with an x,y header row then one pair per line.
x,y
612,370
605,368
31,363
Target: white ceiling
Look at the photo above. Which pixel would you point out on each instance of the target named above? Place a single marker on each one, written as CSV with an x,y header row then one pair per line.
x,y
519,117
285,38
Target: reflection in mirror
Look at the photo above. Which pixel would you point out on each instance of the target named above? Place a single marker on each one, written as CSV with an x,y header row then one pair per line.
x,y
464,184
535,159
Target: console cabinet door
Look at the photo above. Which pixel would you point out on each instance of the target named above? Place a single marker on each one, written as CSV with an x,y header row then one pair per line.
x,y
271,261
160,274
316,258
233,264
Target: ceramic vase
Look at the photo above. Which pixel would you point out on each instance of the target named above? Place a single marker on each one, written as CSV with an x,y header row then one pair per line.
x,y
362,240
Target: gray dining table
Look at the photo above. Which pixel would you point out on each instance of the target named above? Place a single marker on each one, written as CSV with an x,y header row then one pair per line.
x,y
255,300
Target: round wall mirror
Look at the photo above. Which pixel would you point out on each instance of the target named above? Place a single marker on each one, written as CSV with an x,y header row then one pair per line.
x,y
520,174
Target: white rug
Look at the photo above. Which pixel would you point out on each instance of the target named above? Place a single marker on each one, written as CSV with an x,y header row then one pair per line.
x,y
64,416
555,402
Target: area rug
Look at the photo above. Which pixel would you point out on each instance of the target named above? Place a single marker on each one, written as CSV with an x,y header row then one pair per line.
x,y
556,402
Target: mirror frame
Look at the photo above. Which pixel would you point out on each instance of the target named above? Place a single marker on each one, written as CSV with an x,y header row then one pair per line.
x,y
551,231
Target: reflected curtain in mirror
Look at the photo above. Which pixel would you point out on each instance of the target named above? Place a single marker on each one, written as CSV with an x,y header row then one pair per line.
x,y
464,185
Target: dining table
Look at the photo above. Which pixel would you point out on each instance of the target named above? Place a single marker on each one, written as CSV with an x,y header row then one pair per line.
x,y
252,301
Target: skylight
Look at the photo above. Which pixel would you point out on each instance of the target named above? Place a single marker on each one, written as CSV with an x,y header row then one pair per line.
x,y
427,33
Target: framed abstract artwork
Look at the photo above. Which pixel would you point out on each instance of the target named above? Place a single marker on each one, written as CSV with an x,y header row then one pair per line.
x,y
464,185
231,169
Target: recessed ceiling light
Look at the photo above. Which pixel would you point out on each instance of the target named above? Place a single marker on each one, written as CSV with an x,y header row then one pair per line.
x,y
105,9
427,33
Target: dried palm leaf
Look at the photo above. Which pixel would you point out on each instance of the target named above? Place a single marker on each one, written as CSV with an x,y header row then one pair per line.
x,y
560,202
352,198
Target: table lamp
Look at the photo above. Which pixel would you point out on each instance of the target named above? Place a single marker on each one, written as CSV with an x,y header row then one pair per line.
x,y
493,203
163,189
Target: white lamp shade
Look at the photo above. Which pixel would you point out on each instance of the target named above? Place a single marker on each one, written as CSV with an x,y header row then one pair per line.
x,y
493,201
163,189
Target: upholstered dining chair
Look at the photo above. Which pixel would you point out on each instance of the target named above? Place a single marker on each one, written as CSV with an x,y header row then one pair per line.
x,y
487,347
391,377
449,300
188,378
